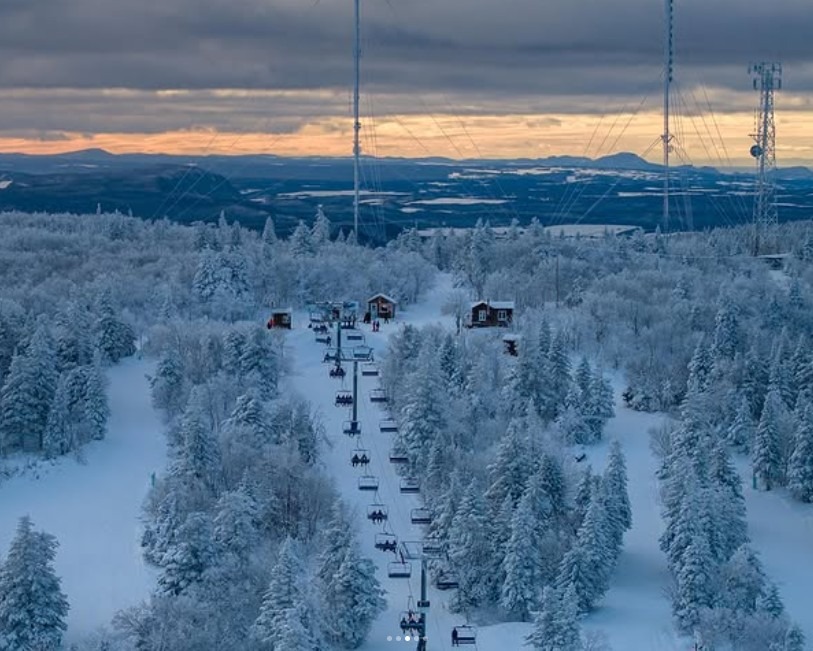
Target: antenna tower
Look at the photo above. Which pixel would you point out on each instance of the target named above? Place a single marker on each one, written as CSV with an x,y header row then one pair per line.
x,y
767,78
669,56
356,122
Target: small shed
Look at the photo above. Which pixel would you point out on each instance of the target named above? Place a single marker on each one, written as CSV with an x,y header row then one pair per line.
x,y
490,314
511,344
381,306
280,318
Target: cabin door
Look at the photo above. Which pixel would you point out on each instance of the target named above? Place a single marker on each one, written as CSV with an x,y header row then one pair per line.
x,y
373,311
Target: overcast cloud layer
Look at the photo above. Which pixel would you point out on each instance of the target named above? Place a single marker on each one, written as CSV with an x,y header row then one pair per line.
x,y
468,56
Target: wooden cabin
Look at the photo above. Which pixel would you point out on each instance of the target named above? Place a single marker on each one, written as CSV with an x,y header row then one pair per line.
x,y
491,314
280,318
381,306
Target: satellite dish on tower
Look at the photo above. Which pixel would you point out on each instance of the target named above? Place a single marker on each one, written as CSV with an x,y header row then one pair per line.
x,y
756,151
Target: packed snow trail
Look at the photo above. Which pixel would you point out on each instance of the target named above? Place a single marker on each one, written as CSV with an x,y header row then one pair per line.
x,y
93,507
781,530
636,612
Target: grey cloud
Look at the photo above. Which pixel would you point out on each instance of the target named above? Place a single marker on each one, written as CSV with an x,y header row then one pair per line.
x,y
465,56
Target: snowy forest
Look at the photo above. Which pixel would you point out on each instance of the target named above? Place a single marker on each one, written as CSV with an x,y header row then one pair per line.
x,y
248,530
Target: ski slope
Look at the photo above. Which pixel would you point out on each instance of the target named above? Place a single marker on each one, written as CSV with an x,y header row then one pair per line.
x,y
635,614
93,506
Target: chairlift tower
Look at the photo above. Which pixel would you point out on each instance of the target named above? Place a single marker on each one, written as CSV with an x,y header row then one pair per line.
x,y
767,79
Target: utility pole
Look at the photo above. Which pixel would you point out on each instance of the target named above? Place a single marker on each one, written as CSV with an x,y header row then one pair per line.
x,y
356,122
667,84
557,280
767,78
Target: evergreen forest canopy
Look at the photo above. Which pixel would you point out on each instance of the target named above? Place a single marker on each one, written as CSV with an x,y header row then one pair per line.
x,y
253,545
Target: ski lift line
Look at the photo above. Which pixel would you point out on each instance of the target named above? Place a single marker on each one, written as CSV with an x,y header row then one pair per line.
x,y
226,177
611,148
610,189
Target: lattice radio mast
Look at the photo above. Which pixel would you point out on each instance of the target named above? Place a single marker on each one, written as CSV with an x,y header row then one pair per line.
x,y
356,122
767,78
669,56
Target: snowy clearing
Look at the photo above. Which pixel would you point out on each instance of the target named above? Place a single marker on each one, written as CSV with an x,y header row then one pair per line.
x,y
93,507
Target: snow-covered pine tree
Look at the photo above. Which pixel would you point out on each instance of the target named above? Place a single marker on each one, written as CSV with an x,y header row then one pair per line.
x,y
27,393
236,522
187,559
353,599
694,583
619,512
320,233
519,594
471,552
284,593
95,410
767,462
60,430
32,605
740,433
800,466
115,339
168,384
727,335
545,632
300,242
198,460
509,472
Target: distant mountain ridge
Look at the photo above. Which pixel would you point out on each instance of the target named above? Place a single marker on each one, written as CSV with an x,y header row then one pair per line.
x,y
88,160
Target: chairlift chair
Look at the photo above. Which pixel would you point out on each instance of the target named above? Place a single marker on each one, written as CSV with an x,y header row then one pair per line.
x,y
398,457
362,353
377,513
387,425
420,516
386,542
432,549
368,483
344,398
361,457
378,395
410,485
351,428
399,570
331,355
369,370
322,338
337,372
319,327
412,622
466,635
355,335
447,581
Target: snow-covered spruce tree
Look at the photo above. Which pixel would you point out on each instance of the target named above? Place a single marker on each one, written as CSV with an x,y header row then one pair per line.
x,y
740,432
115,339
471,552
236,522
728,337
320,233
556,626
284,594
189,556
95,410
509,472
519,594
168,385
617,504
27,393
800,466
32,605
197,463
767,461
60,430
694,583
353,598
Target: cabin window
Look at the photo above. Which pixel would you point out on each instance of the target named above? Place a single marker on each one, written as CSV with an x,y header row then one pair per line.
x,y
481,315
501,315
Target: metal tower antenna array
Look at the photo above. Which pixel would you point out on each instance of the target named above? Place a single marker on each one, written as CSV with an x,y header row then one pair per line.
x,y
767,78
669,56
356,123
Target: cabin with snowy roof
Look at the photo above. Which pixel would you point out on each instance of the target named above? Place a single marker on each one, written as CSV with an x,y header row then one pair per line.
x,y
381,306
280,318
491,314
